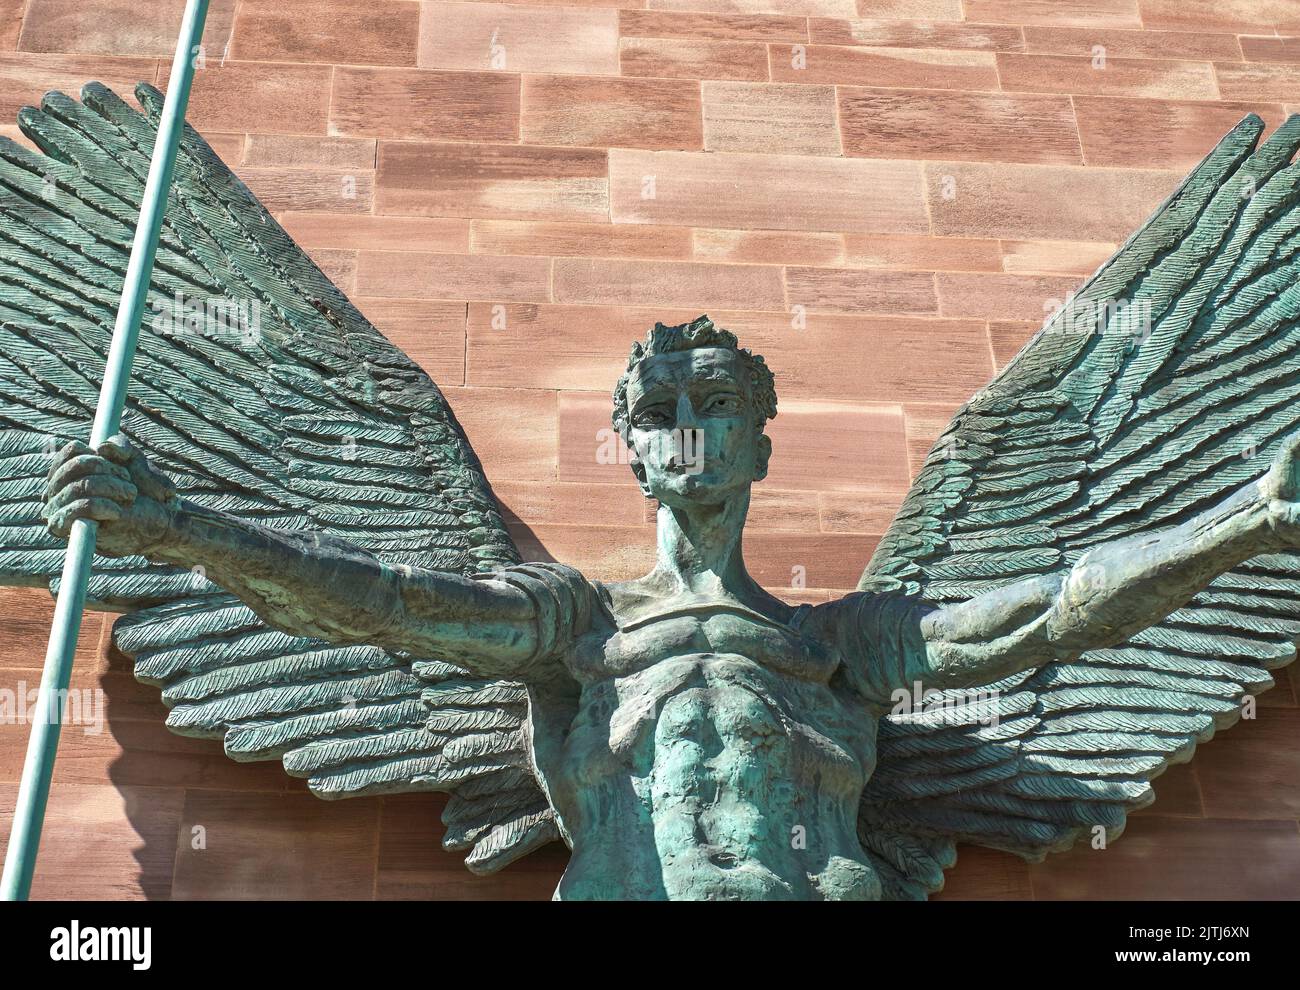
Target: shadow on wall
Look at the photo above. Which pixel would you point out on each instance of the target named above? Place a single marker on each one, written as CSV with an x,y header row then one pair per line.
x,y
202,826
526,539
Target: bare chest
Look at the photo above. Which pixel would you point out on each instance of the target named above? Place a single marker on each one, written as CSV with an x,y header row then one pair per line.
x,y
754,691
634,646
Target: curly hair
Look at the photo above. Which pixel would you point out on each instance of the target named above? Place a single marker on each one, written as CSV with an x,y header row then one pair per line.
x,y
698,333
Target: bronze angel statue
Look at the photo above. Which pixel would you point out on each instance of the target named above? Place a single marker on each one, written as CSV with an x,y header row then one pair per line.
x,y
1103,545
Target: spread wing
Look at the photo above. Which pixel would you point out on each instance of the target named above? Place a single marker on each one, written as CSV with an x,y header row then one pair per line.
x,y
287,408
1167,383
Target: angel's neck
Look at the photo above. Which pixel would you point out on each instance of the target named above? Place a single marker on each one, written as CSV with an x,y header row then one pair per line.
x,y
699,548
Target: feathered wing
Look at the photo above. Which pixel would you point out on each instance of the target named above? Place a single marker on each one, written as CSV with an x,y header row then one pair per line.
x,y
1166,384
293,411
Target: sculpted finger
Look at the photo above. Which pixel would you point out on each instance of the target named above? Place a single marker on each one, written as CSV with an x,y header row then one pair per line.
x,y
98,509
117,449
57,524
1291,451
82,466
1286,468
96,487
152,482
71,449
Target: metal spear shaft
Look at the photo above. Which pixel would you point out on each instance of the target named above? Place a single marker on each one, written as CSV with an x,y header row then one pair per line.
x,y
42,746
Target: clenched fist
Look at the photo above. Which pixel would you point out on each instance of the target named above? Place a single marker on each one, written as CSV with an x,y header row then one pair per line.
x,y
116,487
1280,491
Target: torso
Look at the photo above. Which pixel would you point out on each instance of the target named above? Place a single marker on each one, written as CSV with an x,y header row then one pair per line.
x,y
709,757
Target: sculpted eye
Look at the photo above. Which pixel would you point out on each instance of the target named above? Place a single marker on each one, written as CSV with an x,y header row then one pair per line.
x,y
652,417
723,404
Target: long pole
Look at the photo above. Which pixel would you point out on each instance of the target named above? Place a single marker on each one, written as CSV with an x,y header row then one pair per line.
x,y
42,746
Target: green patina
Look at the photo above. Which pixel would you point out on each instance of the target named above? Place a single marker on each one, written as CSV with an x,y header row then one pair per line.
x,y
1095,569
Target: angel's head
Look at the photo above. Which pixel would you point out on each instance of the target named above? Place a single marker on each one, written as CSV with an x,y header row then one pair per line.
x,y
691,407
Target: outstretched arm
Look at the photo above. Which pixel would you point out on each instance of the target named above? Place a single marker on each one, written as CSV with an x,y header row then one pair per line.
x,y
1112,592
304,583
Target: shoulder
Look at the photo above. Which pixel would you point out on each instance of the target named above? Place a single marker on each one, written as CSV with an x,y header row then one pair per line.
x,y
869,615
566,601
549,572
546,578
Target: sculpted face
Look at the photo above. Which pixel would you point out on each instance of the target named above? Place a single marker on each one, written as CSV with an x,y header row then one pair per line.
x,y
693,427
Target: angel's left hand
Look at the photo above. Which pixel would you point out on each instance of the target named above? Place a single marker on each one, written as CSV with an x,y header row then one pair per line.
x,y
1280,490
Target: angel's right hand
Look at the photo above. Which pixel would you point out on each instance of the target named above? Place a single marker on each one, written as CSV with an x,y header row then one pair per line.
x,y
114,485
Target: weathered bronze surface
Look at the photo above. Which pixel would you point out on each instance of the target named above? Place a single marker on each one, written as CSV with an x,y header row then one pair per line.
x,y
1094,571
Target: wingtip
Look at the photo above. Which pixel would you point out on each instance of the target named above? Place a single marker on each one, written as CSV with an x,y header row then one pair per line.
x,y
54,99
1247,130
94,89
102,99
1283,143
49,97
149,96
29,122
26,115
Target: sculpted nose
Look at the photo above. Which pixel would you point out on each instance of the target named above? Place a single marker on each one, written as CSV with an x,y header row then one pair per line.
x,y
686,419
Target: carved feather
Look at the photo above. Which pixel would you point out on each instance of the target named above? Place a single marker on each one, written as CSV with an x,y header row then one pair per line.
x,y
301,417
1170,379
